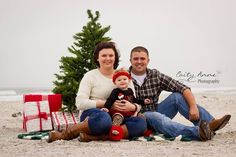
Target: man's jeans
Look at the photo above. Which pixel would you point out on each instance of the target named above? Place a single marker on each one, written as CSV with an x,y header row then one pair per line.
x,y
175,103
162,124
161,121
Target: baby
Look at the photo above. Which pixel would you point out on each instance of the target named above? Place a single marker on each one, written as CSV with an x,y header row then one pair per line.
x,y
121,79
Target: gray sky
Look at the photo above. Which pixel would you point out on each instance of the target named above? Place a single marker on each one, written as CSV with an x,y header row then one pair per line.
x,y
185,36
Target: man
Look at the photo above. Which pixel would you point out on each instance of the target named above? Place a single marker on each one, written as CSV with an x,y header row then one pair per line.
x,y
149,83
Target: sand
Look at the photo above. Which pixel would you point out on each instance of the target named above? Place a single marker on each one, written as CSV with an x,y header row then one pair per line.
x,y
223,143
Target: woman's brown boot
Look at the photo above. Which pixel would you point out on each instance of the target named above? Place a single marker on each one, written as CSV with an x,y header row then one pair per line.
x,y
70,133
87,138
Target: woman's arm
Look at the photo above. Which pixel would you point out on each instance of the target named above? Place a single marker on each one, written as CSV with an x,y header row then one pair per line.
x,y
124,106
100,103
83,101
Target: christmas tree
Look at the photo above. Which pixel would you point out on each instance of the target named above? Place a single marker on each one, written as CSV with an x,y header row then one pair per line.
x,y
73,68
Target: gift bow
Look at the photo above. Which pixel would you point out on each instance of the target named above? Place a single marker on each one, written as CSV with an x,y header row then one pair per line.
x,y
42,115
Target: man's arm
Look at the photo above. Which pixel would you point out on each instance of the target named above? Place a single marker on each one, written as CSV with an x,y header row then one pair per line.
x,y
172,85
193,110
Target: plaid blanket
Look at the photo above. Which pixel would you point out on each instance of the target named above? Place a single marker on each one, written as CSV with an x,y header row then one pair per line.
x,y
161,137
152,137
34,135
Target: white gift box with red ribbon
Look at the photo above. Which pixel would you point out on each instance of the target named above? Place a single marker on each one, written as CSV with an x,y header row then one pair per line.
x,y
61,120
36,116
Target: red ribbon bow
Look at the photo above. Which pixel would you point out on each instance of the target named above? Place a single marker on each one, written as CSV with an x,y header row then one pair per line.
x,y
40,115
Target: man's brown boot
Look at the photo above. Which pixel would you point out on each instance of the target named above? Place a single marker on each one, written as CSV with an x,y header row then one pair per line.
x,y
205,133
70,133
87,138
217,124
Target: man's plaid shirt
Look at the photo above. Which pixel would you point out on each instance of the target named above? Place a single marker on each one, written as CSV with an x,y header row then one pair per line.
x,y
154,83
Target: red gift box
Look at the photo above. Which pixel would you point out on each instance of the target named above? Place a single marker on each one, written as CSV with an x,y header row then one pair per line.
x,y
36,116
54,100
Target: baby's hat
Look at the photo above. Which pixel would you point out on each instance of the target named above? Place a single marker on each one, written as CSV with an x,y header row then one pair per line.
x,y
120,72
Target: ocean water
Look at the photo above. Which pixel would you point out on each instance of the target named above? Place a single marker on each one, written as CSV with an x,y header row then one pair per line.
x,y
17,94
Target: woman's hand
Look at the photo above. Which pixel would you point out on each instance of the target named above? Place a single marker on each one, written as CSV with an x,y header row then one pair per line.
x,y
123,105
104,109
100,103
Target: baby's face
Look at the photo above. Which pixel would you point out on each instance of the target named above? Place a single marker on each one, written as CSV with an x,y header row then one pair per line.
x,y
122,82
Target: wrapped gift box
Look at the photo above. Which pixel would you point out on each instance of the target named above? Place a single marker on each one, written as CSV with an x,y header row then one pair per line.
x,y
61,120
54,100
36,116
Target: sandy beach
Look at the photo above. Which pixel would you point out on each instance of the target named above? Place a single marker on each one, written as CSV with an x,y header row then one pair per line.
x,y
223,143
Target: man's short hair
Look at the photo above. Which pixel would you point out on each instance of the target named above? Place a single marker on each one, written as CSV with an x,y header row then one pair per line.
x,y
139,49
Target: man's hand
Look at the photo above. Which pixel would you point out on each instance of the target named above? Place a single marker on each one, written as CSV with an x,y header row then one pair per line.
x,y
193,114
148,101
193,110
123,105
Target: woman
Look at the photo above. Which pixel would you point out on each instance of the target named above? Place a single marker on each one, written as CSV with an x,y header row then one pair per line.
x,y
95,87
